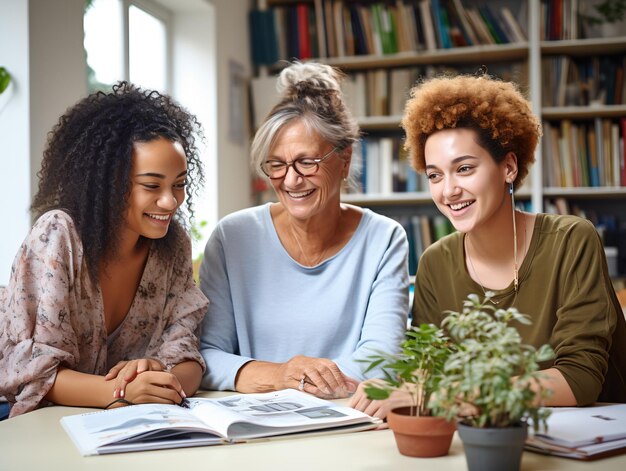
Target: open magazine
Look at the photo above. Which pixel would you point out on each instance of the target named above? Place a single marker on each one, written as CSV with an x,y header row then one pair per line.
x,y
584,433
216,421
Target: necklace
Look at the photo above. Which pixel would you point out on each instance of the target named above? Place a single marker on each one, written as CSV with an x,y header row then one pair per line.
x,y
303,254
515,265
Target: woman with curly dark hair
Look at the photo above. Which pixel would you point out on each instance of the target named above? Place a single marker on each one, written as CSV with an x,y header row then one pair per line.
x,y
101,308
475,139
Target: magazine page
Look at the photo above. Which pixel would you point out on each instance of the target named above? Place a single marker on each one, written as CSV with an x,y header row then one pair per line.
x,y
94,431
208,422
580,426
587,452
245,416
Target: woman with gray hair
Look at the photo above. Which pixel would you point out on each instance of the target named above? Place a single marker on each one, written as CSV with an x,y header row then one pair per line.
x,y
304,288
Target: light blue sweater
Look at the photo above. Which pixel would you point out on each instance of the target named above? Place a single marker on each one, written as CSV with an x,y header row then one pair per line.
x,y
266,306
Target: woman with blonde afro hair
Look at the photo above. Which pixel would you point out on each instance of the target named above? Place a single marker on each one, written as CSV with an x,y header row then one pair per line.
x,y
475,138
496,110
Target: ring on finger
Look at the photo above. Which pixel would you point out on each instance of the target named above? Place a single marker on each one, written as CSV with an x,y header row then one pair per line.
x,y
301,385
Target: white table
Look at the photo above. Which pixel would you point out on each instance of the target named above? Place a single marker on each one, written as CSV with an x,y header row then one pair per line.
x,y
36,441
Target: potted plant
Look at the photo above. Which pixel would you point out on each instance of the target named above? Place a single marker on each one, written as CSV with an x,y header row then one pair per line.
x,y
603,18
417,370
5,87
491,384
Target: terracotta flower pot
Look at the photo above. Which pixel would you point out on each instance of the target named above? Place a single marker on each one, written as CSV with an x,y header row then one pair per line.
x,y
419,436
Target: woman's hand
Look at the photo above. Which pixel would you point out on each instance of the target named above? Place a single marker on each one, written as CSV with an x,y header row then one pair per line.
x,y
376,408
160,387
126,371
318,376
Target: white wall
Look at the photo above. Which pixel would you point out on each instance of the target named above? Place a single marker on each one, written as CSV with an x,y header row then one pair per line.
x,y
208,34
39,48
14,132
233,159
57,68
194,86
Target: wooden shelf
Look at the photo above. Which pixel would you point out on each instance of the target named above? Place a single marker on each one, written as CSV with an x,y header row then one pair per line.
x,y
603,192
392,123
583,112
584,47
385,199
458,55
380,123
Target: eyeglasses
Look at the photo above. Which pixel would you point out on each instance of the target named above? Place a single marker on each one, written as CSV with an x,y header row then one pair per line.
x,y
304,166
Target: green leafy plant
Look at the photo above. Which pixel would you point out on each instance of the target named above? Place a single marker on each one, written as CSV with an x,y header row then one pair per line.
x,y
492,379
417,369
196,230
608,11
5,79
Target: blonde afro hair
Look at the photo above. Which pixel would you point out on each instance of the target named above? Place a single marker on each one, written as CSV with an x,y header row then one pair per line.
x,y
496,110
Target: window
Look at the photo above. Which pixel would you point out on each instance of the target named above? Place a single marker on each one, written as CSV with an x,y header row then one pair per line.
x,y
126,40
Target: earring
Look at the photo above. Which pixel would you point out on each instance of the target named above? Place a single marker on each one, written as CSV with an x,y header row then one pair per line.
x,y
515,272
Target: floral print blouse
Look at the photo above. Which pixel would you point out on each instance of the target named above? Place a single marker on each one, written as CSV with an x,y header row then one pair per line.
x,y
51,314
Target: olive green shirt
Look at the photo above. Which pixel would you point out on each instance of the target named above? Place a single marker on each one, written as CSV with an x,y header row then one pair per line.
x,y
564,286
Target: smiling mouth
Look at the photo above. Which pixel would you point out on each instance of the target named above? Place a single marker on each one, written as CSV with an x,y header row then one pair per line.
x,y
159,217
459,206
300,194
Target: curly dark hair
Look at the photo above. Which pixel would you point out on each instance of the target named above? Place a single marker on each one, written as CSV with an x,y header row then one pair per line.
x,y
496,110
87,163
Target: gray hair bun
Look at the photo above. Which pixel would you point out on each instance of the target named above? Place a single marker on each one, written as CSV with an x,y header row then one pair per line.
x,y
314,74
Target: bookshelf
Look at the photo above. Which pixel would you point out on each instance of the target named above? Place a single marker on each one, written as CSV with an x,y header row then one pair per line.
x,y
532,59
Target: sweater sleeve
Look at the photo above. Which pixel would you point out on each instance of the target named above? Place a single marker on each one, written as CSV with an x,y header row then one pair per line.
x,y
218,337
185,308
36,333
387,309
586,317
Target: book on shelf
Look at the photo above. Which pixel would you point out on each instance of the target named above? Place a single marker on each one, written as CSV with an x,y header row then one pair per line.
x,y
494,27
458,17
329,27
349,35
415,230
320,32
422,231
584,433
622,148
595,80
337,28
584,153
263,37
560,19
400,81
386,168
340,33
231,419
384,91
425,231
480,27
371,166
512,26
426,16
440,25
355,94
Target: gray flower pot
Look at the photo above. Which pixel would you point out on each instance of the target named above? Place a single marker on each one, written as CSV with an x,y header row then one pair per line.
x,y
493,449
